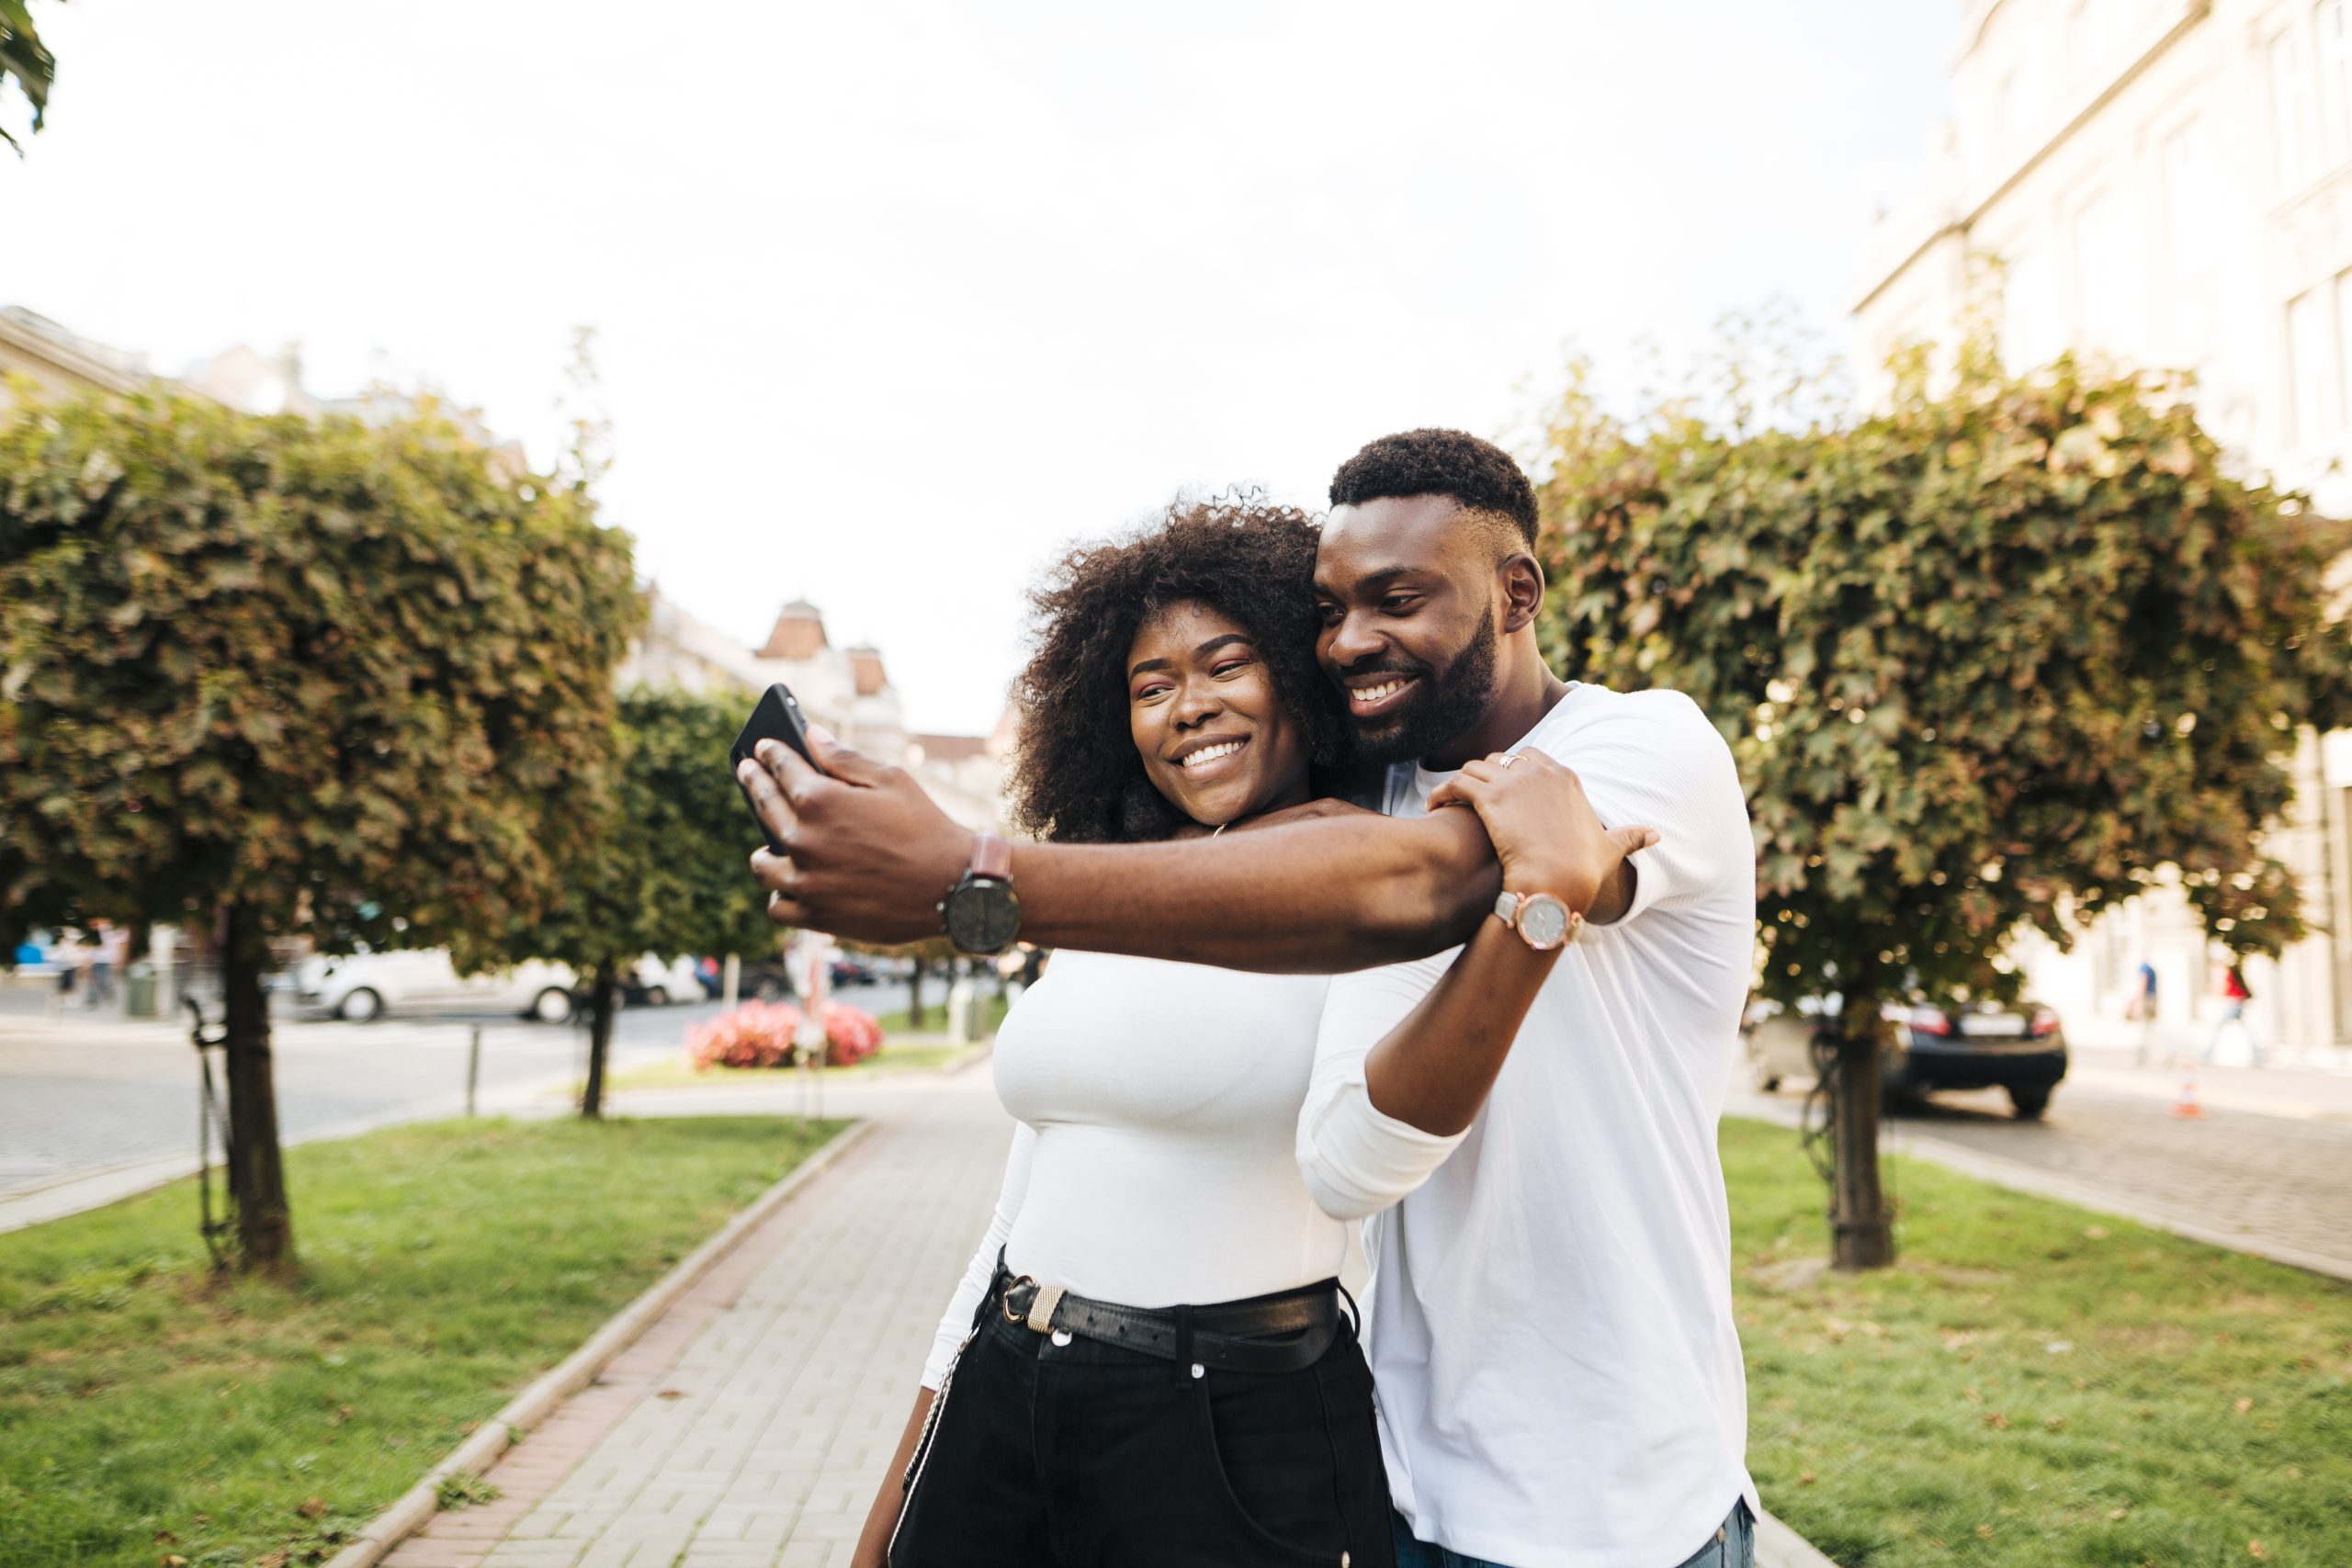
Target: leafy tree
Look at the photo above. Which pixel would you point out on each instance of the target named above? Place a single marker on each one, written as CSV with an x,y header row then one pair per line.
x,y
27,61
285,679
1988,659
659,867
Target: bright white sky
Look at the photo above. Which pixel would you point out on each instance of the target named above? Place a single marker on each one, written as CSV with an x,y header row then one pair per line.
x,y
897,297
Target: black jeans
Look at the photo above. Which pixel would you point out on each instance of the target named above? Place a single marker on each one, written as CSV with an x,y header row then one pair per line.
x,y
1085,1455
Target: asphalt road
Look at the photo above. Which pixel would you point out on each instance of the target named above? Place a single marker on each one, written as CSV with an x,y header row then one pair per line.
x,y
88,1092
2270,1161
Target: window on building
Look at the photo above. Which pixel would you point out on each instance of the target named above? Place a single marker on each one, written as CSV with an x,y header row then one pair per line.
x,y
2290,109
2335,20
2188,196
2310,369
2341,362
2091,30
2033,330
2105,281
2037,89
2006,129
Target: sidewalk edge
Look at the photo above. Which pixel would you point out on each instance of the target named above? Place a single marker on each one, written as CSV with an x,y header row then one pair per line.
x,y
1777,1546
410,1511
2019,1177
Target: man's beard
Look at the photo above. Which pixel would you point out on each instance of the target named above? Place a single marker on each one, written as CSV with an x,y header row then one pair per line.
x,y
1446,704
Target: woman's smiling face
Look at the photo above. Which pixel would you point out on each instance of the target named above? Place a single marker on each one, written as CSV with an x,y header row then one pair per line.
x,y
1214,738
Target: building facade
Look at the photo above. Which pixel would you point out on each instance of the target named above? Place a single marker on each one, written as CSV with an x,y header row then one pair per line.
x,y
2167,184
847,690
58,362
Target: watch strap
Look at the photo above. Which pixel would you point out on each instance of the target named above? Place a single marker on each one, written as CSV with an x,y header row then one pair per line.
x,y
992,857
1510,906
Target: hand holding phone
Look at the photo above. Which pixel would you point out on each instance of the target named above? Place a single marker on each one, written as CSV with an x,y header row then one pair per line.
x,y
777,718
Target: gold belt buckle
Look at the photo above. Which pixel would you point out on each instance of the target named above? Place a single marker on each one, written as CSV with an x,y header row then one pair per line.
x,y
1046,1300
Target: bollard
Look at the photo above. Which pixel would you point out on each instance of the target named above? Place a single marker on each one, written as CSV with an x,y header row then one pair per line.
x,y
473,1068
963,998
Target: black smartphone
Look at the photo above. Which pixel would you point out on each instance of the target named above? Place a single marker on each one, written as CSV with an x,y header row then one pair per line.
x,y
778,718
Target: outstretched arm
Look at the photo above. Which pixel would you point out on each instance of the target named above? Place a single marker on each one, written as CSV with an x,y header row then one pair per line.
x,y
869,856
1318,897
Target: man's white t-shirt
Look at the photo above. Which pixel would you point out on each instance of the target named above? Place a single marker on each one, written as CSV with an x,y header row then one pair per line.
x,y
1550,1318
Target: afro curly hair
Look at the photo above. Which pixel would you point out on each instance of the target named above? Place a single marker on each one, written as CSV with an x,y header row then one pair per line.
x,y
1478,474
1076,776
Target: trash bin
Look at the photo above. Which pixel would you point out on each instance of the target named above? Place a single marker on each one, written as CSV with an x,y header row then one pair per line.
x,y
138,990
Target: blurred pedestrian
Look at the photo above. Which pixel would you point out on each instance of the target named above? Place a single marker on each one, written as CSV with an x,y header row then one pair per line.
x,y
105,957
2142,1007
66,954
2235,996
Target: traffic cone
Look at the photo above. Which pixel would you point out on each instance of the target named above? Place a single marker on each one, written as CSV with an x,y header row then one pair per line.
x,y
2186,1106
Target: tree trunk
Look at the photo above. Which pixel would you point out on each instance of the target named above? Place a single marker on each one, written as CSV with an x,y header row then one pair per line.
x,y
603,991
1862,1232
257,1173
914,996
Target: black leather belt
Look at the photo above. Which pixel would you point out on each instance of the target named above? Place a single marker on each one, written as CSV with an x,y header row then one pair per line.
x,y
1281,1333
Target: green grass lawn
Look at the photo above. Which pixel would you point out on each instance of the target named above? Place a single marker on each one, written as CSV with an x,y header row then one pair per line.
x,y
2034,1385
934,1017
147,1408
921,1054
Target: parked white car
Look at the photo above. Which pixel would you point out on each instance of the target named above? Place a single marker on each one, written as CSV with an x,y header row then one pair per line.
x,y
657,981
364,985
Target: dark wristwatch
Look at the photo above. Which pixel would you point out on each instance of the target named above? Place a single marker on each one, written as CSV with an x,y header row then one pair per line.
x,y
980,914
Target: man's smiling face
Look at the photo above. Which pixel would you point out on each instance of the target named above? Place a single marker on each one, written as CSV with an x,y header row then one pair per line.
x,y
1408,597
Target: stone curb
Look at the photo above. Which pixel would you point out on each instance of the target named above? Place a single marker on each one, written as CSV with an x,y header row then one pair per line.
x,y
414,1507
1777,1546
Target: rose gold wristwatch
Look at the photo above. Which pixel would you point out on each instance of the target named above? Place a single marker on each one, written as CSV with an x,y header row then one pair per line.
x,y
1543,921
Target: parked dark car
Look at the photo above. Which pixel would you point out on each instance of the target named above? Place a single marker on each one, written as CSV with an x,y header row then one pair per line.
x,y
2020,1049
768,980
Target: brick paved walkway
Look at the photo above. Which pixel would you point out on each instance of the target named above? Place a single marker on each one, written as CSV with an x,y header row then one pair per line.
x,y
750,1427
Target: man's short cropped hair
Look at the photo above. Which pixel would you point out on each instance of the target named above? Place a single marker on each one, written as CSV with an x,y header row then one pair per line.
x,y
1478,474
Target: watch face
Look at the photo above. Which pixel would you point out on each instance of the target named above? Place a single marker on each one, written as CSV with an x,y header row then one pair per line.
x,y
1543,920
983,916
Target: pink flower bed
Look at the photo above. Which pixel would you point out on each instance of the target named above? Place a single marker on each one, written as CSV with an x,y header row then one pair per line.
x,y
851,1035
760,1034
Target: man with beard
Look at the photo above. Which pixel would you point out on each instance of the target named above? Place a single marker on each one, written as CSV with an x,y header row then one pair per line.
x,y
1560,1383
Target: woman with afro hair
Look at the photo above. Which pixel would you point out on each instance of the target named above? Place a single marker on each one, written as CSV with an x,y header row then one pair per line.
x,y
1149,1361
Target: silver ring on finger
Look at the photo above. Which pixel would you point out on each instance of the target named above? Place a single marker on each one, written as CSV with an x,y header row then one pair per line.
x,y
1508,759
